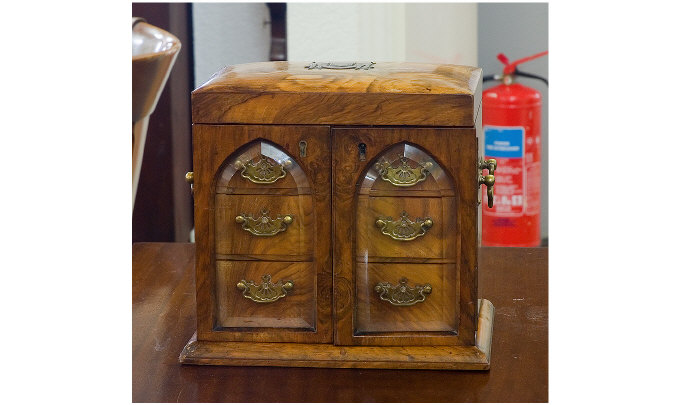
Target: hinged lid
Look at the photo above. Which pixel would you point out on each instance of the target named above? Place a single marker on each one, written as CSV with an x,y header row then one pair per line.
x,y
348,93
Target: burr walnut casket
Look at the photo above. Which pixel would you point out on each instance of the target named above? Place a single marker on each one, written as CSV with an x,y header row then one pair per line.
x,y
336,215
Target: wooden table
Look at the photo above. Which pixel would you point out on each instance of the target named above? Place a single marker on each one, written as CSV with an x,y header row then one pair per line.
x,y
515,280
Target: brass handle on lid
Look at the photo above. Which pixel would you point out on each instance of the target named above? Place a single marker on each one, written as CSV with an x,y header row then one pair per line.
x,y
402,294
341,65
265,292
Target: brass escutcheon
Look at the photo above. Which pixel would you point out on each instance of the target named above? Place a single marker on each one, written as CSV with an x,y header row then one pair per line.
x,y
402,294
404,229
264,225
262,171
265,292
403,175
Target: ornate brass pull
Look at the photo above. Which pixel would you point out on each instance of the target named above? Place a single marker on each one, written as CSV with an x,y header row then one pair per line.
x,y
489,180
404,228
402,294
265,292
261,172
403,175
264,225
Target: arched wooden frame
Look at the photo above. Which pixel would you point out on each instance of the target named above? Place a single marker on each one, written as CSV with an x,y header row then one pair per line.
x,y
416,156
230,170
371,249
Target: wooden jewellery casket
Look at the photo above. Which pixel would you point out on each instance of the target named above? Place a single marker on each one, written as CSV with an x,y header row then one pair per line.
x,y
336,212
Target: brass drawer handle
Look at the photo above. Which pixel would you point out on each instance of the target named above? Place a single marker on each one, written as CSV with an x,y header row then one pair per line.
x,y
404,229
403,175
402,294
264,225
265,292
262,171
489,180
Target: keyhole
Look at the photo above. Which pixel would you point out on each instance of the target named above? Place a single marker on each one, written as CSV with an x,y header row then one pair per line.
x,y
362,151
303,148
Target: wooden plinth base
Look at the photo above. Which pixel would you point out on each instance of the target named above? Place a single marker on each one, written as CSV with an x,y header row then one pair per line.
x,y
476,357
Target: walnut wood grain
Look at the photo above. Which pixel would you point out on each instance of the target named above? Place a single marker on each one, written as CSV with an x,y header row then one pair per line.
x,y
436,183
215,146
164,319
371,242
296,239
297,310
388,94
454,150
437,313
475,357
233,179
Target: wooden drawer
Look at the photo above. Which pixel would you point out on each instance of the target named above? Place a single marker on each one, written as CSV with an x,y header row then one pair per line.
x,y
406,235
240,307
242,228
410,310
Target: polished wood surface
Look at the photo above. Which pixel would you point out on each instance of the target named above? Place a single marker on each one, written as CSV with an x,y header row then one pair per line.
x,y
372,243
296,239
164,319
226,251
437,313
154,51
324,355
451,240
296,310
387,94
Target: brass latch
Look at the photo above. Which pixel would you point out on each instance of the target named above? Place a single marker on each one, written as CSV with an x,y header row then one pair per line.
x,y
189,177
489,180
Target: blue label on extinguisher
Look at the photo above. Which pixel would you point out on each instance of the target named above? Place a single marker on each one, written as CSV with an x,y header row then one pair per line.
x,y
506,145
504,142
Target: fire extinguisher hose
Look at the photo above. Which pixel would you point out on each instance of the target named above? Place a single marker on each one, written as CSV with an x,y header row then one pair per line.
x,y
511,68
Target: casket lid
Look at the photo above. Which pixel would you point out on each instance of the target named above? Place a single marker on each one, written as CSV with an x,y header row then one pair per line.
x,y
381,93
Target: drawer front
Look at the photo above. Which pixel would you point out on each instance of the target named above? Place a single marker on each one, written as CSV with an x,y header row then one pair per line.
x,y
266,295
264,225
398,227
404,218
405,298
263,262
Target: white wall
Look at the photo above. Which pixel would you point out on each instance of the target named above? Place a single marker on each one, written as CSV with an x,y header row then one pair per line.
x,y
227,34
437,33
442,33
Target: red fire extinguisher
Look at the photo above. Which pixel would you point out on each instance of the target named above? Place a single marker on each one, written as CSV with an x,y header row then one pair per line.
x,y
511,119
